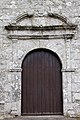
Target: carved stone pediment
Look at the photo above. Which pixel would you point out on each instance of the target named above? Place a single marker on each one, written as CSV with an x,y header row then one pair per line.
x,y
41,26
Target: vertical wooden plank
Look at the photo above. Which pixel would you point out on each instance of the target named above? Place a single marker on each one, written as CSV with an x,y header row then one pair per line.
x,y
28,79
24,90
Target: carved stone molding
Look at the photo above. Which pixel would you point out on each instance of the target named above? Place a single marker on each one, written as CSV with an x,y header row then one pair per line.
x,y
27,37
62,18
25,15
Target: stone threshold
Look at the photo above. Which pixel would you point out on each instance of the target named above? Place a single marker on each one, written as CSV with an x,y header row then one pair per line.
x,y
49,117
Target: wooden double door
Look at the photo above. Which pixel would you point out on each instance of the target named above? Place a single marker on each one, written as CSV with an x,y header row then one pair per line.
x,y
41,84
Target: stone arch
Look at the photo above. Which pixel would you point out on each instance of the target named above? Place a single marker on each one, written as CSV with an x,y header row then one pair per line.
x,y
45,49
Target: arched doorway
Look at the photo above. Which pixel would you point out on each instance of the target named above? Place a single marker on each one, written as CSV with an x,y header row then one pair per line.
x,y
41,84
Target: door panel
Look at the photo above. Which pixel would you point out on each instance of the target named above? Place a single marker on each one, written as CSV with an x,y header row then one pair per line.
x,y
41,83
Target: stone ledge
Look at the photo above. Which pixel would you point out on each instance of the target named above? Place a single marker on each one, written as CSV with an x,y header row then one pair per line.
x,y
46,117
15,70
68,70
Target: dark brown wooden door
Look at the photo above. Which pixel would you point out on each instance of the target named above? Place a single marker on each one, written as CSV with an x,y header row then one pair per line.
x,y
41,84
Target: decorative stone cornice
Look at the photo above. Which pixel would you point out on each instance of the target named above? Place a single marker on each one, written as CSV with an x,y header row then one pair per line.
x,y
41,28
61,30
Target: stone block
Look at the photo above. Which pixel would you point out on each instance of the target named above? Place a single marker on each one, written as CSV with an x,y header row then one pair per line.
x,y
76,97
76,87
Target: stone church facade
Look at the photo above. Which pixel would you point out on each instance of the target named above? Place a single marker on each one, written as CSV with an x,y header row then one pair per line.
x,y
26,25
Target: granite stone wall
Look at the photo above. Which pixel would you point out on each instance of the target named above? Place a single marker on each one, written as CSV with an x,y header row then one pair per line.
x,y
30,24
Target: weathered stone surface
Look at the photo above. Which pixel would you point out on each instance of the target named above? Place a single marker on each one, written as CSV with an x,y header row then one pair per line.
x,y
34,19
